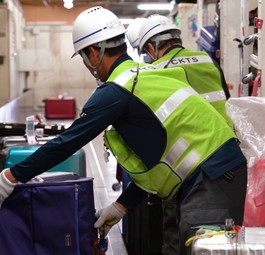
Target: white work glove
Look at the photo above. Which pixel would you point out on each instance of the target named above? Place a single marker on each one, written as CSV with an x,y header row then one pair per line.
x,y
6,187
107,217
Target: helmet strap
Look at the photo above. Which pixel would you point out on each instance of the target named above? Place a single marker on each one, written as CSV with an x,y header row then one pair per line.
x,y
86,59
157,41
152,59
100,57
156,44
164,37
88,63
102,46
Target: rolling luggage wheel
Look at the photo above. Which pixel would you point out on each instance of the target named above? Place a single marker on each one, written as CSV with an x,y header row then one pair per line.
x,y
116,186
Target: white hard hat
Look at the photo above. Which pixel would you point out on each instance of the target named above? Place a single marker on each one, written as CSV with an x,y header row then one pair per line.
x,y
154,25
133,31
95,25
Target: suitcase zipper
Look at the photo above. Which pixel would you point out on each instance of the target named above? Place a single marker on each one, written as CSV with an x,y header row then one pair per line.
x,y
76,220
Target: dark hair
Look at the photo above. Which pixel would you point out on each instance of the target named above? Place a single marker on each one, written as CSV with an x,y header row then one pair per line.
x,y
122,49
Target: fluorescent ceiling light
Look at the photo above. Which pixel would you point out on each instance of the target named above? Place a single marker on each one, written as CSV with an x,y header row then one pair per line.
x,y
68,4
156,7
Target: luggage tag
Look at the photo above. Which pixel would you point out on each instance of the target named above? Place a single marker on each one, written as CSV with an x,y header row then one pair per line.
x,y
30,131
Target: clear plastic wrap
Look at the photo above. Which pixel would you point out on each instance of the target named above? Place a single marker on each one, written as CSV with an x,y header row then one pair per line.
x,y
248,115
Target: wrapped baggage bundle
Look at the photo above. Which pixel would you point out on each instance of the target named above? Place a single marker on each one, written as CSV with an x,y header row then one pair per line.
x,y
247,114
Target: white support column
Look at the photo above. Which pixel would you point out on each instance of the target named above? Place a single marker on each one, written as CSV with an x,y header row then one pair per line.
x,y
244,25
200,14
230,29
261,45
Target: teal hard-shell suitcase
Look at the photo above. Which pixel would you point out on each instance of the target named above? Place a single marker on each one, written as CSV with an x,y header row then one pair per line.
x,y
15,149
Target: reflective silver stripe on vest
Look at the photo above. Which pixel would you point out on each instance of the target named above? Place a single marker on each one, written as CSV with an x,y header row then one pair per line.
x,y
176,151
170,104
214,96
187,163
124,77
173,102
188,60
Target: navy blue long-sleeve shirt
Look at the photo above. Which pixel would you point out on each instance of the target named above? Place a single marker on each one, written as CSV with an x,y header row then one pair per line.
x,y
110,104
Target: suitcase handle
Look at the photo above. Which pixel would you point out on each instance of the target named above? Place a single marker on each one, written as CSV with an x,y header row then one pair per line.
x,y
55,177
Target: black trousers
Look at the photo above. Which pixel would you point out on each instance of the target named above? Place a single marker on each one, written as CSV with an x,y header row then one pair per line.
x,y
170,227
208,203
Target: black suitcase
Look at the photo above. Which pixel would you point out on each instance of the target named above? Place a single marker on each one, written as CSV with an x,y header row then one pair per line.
x,y
142,227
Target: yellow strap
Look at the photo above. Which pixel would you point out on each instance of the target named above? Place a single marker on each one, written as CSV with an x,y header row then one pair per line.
x,y
191,239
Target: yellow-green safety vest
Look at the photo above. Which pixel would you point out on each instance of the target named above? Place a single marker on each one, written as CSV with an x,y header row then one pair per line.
x,y
208,83
181,110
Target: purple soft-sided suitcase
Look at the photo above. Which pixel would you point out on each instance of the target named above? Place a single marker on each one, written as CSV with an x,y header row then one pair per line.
x,y
49,218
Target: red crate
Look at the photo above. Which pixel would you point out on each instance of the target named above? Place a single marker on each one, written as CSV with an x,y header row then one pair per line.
x,y
60,108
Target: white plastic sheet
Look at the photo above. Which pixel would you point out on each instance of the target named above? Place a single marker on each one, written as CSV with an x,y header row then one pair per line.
x,y
248,116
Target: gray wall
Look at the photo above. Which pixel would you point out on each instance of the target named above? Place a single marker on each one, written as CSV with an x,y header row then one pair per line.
x,y
52,71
